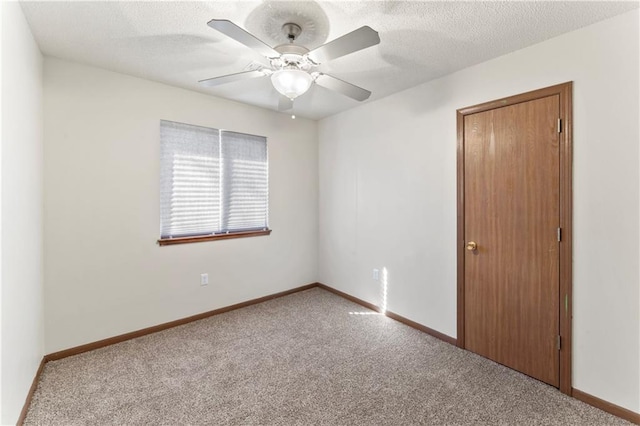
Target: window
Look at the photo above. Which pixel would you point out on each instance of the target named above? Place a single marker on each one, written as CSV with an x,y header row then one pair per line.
x,y
213,184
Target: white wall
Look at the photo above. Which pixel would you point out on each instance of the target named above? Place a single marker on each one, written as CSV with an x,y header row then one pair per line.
x,y
388,194
1,37
104,273
21,217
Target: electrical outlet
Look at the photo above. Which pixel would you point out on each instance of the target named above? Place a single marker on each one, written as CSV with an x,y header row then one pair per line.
x,y
204,279
376,274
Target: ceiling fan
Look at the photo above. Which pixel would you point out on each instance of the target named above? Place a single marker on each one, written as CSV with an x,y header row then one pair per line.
x,y
291,66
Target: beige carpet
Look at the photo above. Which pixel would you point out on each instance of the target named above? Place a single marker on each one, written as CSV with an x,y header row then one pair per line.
x,y
305,359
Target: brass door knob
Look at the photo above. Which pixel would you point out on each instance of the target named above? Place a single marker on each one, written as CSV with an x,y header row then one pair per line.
x,y
472,246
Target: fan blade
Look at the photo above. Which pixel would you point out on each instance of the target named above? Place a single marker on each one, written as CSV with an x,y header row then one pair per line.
x,y
238,34
230,78
284,103
356,40
347,89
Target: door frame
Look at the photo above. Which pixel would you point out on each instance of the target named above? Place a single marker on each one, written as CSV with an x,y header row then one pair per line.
x,y
565,299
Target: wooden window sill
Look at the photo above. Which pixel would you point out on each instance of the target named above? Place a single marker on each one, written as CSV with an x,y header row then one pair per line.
x,y
203,238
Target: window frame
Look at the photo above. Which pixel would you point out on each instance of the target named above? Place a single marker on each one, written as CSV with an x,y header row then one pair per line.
x,y
223,235
212,237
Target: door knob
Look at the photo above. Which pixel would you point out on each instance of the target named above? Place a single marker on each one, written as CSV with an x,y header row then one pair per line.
x,y
472,246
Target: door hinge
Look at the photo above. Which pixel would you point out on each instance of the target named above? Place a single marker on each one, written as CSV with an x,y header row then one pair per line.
x,y
559,234
559,125
559,342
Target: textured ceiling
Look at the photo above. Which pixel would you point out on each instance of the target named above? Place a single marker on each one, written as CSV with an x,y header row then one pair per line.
x,y
170,42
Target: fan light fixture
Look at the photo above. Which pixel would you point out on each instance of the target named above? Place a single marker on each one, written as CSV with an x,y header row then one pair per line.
x,y
292,66
291,82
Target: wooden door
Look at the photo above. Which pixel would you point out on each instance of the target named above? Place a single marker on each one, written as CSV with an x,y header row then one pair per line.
x,y
512,214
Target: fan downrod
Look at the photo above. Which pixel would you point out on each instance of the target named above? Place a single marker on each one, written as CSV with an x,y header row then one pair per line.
x,y
291,31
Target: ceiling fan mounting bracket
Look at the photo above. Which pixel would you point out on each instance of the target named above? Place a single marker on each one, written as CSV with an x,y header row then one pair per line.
x,y
291,31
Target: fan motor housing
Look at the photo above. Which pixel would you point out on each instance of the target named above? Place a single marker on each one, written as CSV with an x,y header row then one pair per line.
x,y
290,48
291,56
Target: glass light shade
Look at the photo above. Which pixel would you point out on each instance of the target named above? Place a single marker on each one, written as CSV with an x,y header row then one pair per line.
x,y
291,83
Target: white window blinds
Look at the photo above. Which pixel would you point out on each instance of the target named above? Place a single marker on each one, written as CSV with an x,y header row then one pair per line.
x,y
244,184
211,181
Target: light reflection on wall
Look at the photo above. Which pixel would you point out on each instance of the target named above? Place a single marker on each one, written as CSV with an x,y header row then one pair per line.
x,y
382,306
383,291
